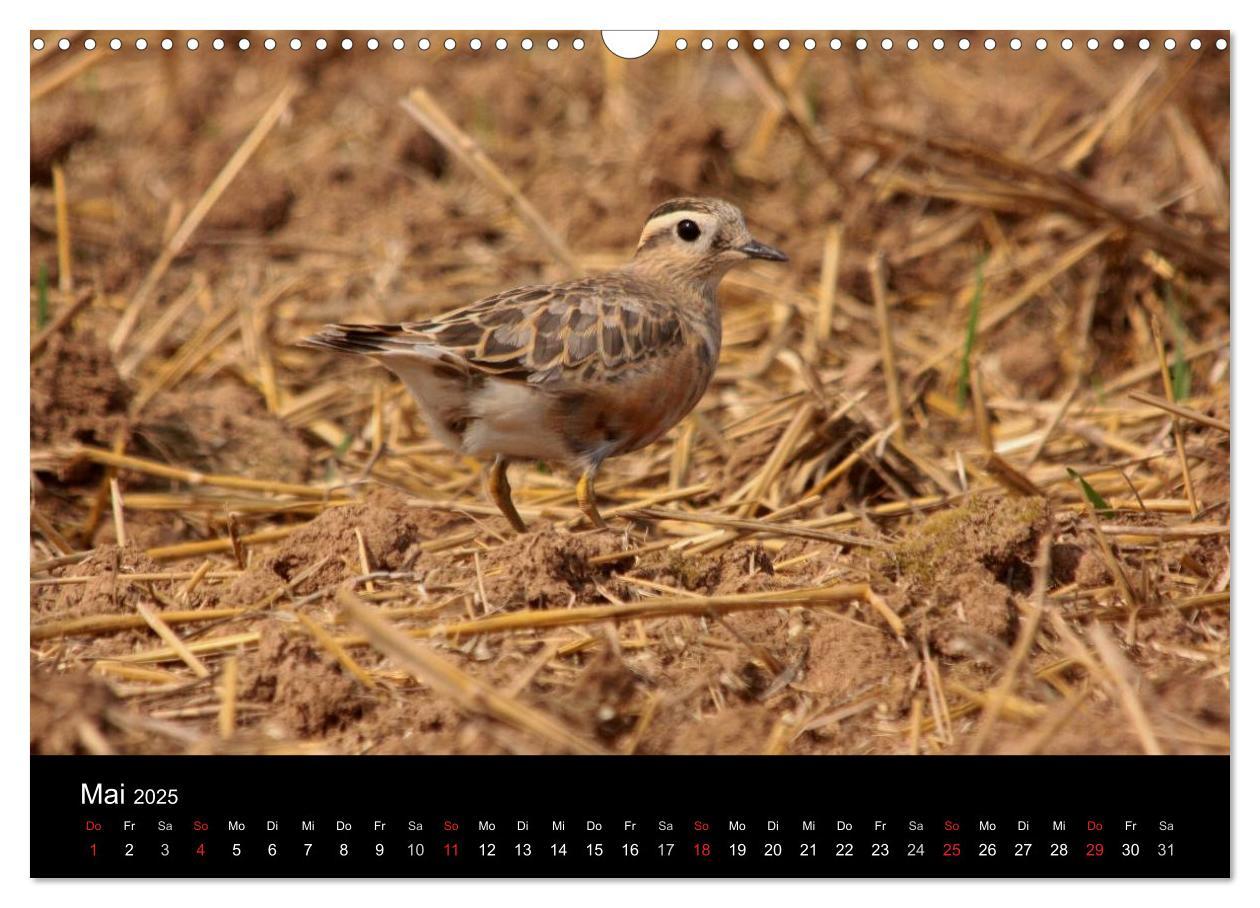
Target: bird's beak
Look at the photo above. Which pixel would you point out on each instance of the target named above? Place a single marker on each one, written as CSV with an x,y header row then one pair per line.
x,y
756,250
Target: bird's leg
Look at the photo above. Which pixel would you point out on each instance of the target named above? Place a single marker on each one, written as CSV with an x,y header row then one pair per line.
x,y
586,497
501,492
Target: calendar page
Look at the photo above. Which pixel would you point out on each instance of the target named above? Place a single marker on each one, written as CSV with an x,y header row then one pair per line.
x,y
538,442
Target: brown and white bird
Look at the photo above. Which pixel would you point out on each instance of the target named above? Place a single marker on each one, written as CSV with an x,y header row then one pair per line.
x,y
578,371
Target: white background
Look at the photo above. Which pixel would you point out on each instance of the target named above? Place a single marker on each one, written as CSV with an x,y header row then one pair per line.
x,y
593,14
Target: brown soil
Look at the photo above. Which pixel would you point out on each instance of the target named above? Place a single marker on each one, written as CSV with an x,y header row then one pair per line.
x,y
223,429
349,210
102,593
546,568
62,705
310,696
392,537
77,396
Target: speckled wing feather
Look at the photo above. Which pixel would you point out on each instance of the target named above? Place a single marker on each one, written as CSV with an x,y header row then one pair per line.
x,y
546,335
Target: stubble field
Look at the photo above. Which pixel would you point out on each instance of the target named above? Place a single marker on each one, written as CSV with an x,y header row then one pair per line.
x,y
961,483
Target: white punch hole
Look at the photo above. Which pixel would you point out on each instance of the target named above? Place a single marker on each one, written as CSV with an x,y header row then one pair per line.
x,y
629,45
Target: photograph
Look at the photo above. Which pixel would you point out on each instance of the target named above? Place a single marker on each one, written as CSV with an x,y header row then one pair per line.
x,y
779,393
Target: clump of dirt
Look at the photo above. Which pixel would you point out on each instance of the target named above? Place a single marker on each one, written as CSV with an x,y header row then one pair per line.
x,y
392,535
997,534
848,658
255,202
599,701
416,148
417,723
224,429
60,126
1092,571
739,729
103,593
1066,561
972,557
739,568
62,704
310,694
547,568
77,397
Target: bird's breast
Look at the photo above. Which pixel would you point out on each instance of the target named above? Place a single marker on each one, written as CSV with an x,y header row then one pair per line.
x,y
639,406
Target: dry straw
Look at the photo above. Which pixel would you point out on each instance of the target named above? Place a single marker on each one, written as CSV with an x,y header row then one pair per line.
x,y
839,425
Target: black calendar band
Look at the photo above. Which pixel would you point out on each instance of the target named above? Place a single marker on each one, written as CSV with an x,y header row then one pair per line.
x,y
841,817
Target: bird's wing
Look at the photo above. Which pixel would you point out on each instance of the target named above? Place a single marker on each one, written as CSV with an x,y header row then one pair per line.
x,y
544,335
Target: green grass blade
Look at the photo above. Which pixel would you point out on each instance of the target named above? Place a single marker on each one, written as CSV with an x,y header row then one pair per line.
x,y
1091,495
41,297
1180,372
969,342
1180,369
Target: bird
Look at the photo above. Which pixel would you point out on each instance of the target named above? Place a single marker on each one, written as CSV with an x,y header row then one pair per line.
x,y
578,371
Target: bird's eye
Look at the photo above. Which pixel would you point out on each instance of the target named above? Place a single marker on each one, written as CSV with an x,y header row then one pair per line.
x,y
689,230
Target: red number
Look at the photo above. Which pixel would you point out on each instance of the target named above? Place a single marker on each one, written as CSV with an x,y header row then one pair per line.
x,y
1093,849
953,850
702,849
201,849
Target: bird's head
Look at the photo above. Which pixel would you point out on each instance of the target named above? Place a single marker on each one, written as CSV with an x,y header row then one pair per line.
x,y
698,239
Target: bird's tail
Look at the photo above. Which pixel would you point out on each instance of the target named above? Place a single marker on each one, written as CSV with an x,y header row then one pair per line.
x,y
369,340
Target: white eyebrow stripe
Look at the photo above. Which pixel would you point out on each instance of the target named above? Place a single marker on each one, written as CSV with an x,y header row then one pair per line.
x,y
703,218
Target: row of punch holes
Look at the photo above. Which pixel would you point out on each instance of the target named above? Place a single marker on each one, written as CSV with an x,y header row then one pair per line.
x,y
553,44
